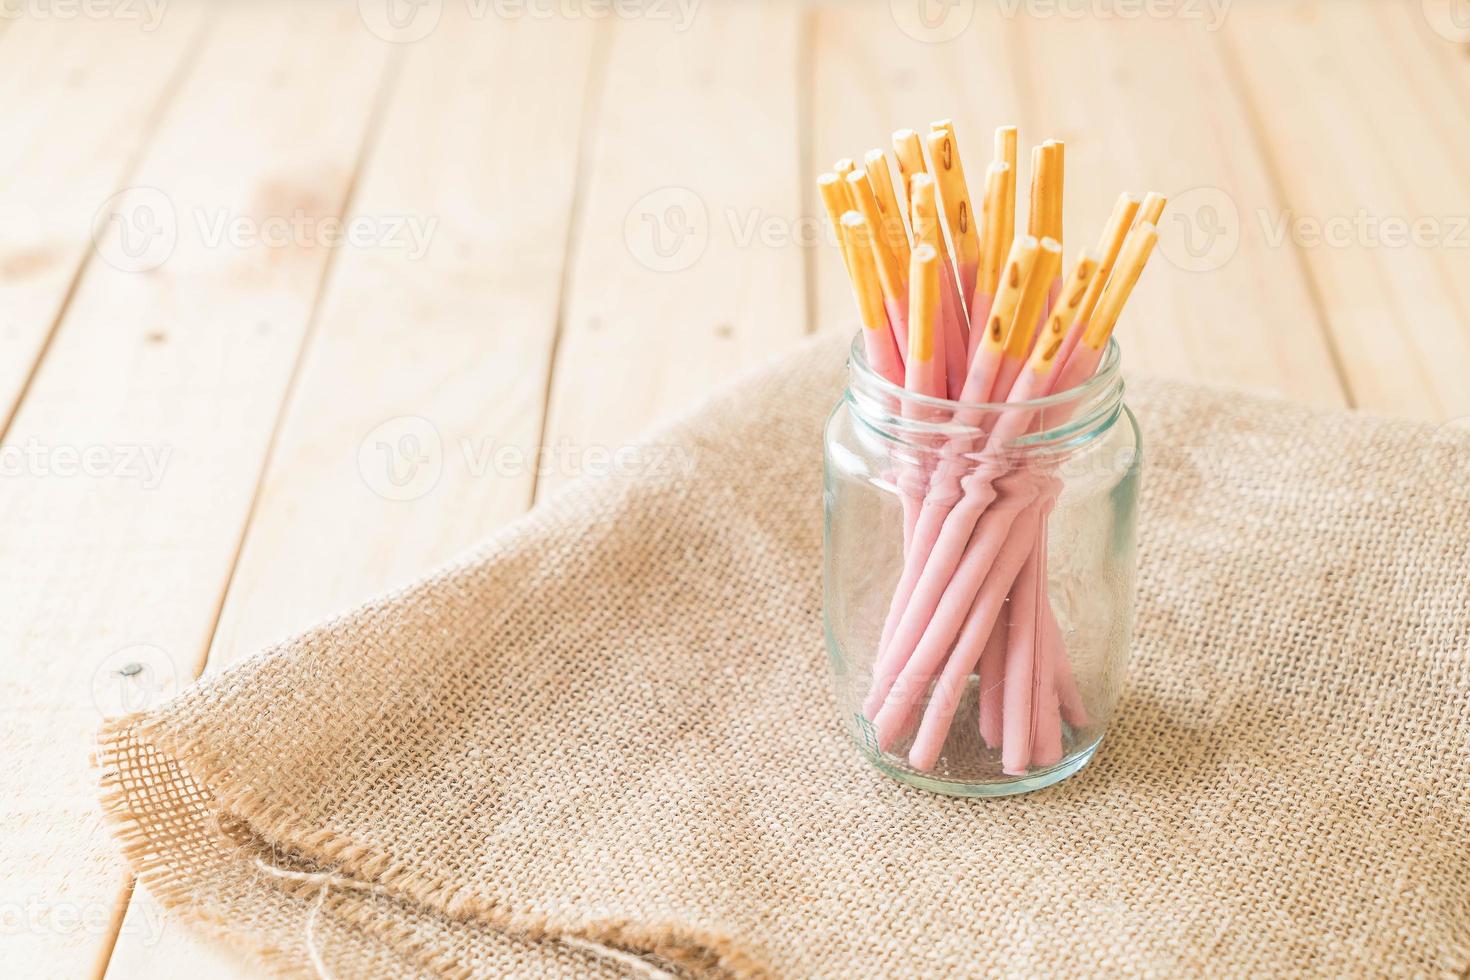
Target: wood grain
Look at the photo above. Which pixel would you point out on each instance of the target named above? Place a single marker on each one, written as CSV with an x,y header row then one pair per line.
x,y
1243,315
870,77
446,349
1360,170
141,439
613,215
100,82
688,262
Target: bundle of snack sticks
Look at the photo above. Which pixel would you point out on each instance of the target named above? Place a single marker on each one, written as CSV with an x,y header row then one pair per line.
x,y
960,307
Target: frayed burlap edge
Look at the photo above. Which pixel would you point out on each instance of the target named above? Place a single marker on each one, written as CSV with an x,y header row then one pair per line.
x,y
150,842
216,799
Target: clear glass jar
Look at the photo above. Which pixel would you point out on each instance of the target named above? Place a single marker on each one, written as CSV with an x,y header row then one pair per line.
x,y
979,591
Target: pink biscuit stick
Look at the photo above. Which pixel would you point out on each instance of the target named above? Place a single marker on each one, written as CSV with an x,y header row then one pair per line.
x,y
1046,719
898,319
954,536
1108,248
878,338
956,338
994,250
920,374
1028,317
1021,647
979,387
980,307
992,684
1038,380
942,560
961,624
966,275
1072,707
950,342
948,176
879,344
944,492
1082,365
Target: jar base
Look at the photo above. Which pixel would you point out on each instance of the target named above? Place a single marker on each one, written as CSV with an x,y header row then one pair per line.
x,y
1004,787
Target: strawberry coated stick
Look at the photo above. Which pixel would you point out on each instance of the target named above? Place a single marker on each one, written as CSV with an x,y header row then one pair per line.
x,y
892,271
1017,549
993,253
982,581
922,374
878,341
1056,684
925,221
895,221
1108,247
954,199
947,489
976,494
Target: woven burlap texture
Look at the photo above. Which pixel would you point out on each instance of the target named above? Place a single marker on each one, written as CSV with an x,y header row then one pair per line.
x,y
603,743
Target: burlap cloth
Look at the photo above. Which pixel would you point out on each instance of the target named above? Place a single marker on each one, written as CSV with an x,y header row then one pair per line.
x,y
604,743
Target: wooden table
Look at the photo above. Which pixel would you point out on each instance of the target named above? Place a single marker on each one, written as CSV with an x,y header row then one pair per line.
x,y
287,309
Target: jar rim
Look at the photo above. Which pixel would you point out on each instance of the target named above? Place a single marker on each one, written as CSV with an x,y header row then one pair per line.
x,y
1108,370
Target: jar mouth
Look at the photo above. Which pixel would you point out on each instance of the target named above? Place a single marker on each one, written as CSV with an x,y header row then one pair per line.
x,y
1056,424
1108,371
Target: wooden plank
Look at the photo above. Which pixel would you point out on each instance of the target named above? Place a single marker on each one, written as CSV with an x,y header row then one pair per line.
x,y
874,71
448,349
1143,103
134,456
1148,104
1360,172
97,83
688,263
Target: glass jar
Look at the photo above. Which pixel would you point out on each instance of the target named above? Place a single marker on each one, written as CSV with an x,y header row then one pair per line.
x,y
979,591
